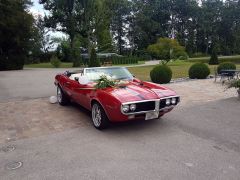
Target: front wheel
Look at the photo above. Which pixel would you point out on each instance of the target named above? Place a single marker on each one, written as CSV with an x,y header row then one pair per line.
x,y
99,117
62,98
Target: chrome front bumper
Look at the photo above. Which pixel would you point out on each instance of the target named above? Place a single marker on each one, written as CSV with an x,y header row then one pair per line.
x,y
157,106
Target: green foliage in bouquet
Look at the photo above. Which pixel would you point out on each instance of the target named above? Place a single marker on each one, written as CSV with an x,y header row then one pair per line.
x,y
104,82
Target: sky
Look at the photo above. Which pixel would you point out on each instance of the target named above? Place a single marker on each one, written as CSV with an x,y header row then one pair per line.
x,y
37,9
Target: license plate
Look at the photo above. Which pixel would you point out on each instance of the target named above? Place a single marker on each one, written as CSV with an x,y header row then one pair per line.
x,y
151,115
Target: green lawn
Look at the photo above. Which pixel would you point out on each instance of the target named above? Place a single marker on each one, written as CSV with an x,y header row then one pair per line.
x,y
47,65
179,69
65,65
234,59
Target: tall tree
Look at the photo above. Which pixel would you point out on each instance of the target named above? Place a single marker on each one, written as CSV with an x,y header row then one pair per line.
x,y
15,32
119,22
150,23
45,38
103,34
63,16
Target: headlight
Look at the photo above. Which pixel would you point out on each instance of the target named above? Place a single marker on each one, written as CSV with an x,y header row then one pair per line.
x,y
168,102
174,100
133,107
125,108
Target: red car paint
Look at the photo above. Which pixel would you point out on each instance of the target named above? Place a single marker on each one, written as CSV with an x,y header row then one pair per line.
x,y
111,99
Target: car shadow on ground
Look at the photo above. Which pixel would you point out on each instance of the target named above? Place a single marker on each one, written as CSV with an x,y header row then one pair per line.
x,y
132,125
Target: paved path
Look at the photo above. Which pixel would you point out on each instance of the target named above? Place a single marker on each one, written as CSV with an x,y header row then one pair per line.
x,y
38,83
198,140
29,83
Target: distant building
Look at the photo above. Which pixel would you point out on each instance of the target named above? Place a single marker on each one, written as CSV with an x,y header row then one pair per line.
x,y
101,55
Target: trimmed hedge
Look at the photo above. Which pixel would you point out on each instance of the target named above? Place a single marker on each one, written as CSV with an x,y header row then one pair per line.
x,y
226,66
94,61
115,60
55,62
161,74
12,62
198,71
214,58
233,59
198,55
125,60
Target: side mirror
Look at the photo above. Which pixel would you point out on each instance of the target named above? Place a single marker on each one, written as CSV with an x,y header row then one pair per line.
x,y
83,80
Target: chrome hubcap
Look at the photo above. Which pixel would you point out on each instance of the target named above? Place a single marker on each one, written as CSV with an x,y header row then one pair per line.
x,y
96,115
59,95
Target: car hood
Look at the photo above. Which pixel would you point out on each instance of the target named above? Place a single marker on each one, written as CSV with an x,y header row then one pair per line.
x,y
137,92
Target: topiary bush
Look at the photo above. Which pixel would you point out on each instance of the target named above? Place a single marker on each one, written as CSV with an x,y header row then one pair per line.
x,y
77,59
55,62
77,62
214,58
226,66
198,71
161,74
94,61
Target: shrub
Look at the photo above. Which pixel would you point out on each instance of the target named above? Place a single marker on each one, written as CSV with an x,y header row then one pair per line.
x,y
77,62
143,54
233,59
46,56
226,65
161,74
125,60
214,58
183,57
166,49
199,71
198,54
235,83
12,62
55,62
94,61
77,59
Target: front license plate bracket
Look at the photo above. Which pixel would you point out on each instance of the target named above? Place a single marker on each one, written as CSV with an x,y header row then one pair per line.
x,y
151,115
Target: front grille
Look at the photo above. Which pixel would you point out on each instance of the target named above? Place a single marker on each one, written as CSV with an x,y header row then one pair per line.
x,y
145,106
163,102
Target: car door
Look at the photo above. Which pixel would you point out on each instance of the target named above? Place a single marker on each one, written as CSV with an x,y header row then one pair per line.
x,y
83,94
69,86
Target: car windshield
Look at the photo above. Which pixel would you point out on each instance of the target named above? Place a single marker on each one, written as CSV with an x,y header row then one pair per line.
x,y
116,73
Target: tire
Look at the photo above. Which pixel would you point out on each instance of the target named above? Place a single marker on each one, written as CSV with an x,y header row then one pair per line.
x,y
99,117
161,116
62,98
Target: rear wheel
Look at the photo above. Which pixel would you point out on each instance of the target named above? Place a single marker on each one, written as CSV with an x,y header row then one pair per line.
x,y
99,117
62,98
161,115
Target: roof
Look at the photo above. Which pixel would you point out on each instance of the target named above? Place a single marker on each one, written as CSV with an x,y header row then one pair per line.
x,y
102,55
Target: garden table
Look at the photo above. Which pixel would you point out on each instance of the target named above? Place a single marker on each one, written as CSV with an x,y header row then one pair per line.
x,y
230,74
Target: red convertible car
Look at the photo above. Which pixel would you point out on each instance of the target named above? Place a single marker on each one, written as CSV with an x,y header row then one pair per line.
x,y
134,99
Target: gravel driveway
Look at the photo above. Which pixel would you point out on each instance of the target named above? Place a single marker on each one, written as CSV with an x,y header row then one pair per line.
x,y
198,140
